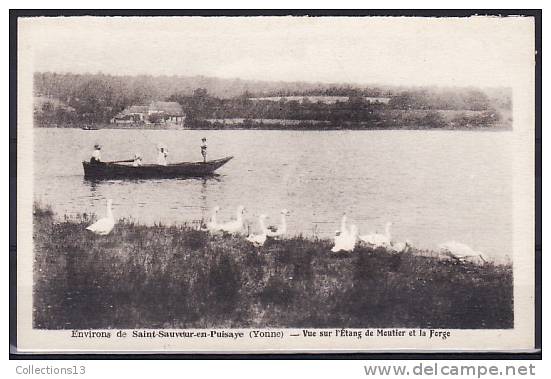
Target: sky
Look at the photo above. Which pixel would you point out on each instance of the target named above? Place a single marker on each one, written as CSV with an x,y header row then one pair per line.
x,y
480,51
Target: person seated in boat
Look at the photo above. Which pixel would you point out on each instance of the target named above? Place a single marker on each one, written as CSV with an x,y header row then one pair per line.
x,y
137,160
204,149
162,156
96,154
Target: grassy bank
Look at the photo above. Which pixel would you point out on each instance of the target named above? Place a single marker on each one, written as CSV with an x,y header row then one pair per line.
x,y
179,277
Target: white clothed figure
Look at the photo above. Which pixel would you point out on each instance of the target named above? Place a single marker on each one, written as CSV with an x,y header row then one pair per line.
x,y
162,157
96,155
137,160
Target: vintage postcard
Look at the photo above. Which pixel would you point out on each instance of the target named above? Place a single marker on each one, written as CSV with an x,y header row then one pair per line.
x,y
275,184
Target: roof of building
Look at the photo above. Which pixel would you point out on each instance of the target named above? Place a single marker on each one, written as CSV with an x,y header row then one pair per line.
x,y
135,109
169,107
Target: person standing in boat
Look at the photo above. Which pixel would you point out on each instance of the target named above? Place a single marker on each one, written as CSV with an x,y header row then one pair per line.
x,y
204,149
96,154
162,156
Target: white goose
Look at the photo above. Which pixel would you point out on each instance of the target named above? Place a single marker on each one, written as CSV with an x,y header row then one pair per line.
x,y
234,226
377,239
104,225
461,252
212,225
346,239
343,226
259,239
277,231
400,247
340,235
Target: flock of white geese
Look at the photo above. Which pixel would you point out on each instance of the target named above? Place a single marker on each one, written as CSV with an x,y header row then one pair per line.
x,y
345,240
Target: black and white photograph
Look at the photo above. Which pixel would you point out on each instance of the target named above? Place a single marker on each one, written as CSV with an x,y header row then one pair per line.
x,y
275,183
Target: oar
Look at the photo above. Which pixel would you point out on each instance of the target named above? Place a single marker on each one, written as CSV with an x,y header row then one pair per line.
x,y
123,161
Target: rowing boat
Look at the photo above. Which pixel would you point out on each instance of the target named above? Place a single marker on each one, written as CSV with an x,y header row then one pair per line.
x,y
112,170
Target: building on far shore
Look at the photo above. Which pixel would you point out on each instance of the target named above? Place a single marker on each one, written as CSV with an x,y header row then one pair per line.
x,y
157,112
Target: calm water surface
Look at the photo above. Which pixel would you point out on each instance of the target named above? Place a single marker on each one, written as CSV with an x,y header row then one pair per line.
x,y
435,186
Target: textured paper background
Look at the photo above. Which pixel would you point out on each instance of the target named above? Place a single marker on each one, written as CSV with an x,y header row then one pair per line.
x,y
516,34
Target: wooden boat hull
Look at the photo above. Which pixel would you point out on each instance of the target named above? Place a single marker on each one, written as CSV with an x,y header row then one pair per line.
x,y
151,171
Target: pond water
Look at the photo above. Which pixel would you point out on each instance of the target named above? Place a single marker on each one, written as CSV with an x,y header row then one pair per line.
x,y
435,186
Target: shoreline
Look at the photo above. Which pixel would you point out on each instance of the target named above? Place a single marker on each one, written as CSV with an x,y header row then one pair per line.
x,y
181,277
281,128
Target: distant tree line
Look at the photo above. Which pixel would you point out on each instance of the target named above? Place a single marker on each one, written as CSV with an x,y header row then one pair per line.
x,y
469,99
356,109
201,105
96,98
334,90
